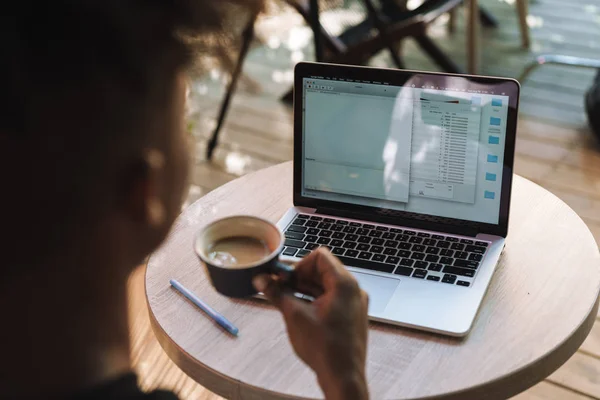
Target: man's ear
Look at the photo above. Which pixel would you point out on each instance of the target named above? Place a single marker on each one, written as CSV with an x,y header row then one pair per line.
x,y
144,199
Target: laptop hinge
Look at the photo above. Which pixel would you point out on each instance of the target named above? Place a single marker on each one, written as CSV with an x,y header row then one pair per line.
x,y
399,221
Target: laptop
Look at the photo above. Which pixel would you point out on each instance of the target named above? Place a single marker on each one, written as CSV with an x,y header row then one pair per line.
x,y
406,177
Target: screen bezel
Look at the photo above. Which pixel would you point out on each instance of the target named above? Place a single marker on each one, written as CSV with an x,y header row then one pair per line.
x,y
397,78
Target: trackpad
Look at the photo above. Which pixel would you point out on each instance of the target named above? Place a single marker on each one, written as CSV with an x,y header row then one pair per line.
x,y
379,289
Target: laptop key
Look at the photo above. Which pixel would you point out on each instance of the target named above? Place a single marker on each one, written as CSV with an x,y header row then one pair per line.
x,y
303,216
438,237
435,267
325,233
303,253
457,246
311,224
349,229
311,246
351,253
418,247
442,244
391,243
392,260
342,222
410,233
429,242
390,252
419,273
323,240
432,250
382,228
312,231
423,234
294,243
466,264
402,238
417,256
362,231
483,244
362,247
364,239
475,249
337,228
446,252
368,226
351,237
294,235
466,241
330,220
375,234
421,264
449,278
298,221
365,255
338,251
433,278
407,262
378,242
459,271
378,257
364,264
289,251
376,249
315,218
463,283
396,230
311,238
336,243
475,257
451,239
415,239
324,225
403,271
389,236
296,228
338,235
404,246
432,258
461,254
403,253
355,224
349,245
446,260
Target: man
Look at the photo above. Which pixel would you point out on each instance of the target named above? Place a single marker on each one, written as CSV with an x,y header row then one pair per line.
x,y
93,164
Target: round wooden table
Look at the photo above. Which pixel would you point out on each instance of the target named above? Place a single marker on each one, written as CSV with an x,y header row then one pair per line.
x,y
539,308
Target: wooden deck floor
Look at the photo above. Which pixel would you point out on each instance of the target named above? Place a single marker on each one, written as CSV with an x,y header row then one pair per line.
x,y
554,149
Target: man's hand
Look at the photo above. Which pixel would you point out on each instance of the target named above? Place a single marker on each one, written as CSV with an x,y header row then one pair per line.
x,y
329,334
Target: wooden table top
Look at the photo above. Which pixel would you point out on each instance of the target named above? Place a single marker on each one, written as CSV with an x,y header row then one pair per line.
x,y
540,306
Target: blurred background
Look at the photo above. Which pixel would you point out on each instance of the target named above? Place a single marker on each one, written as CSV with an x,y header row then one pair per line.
x,y
552,45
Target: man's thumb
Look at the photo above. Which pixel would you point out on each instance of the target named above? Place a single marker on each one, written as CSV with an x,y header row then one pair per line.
x,y
270,288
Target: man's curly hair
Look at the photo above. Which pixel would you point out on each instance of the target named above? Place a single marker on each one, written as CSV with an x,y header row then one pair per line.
x,y
82,83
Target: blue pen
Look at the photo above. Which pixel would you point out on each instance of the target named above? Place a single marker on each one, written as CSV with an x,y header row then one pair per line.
x,y
219,319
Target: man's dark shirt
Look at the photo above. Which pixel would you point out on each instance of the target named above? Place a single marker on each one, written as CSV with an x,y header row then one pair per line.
x,y
123,388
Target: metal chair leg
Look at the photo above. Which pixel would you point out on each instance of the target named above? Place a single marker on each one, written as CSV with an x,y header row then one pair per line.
x,y
556,59
247,37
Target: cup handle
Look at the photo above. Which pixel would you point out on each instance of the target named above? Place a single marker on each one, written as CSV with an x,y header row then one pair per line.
x,y
286,272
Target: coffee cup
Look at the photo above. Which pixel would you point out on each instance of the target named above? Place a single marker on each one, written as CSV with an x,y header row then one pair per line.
x,y
236,249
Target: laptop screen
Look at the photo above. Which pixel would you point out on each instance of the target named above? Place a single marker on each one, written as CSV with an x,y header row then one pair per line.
x,y
420,147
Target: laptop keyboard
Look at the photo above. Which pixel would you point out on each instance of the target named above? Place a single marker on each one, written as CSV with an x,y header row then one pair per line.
x,y
420,255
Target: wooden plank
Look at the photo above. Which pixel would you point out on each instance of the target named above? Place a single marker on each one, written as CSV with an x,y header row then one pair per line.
x,y
585,158
532,129
549,391
549,152
567,177
532,169
579,373
591,346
